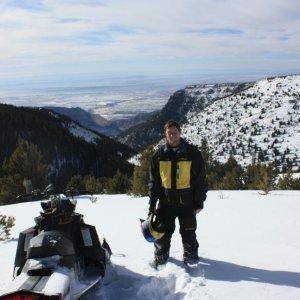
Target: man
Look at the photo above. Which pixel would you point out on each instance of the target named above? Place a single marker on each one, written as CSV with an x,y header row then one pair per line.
x,y
178,182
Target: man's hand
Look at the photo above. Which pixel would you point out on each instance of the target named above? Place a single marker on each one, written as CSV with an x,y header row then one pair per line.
x,y
198,210
151,211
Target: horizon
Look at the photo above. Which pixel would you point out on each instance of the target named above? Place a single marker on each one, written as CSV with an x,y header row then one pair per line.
x,y
69,81
47,41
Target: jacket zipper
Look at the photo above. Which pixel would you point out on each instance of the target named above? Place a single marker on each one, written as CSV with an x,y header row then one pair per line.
x,y
180,200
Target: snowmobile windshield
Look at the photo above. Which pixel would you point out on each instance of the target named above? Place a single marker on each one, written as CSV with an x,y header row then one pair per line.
x,y
50,243
61,204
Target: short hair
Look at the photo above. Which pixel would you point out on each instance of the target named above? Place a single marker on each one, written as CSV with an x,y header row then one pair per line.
x,y
172,123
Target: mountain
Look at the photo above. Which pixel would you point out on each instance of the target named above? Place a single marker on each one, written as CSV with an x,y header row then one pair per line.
x,y
249,248
192,98
98,123
253,121
261,122
89,120
68,147
124,124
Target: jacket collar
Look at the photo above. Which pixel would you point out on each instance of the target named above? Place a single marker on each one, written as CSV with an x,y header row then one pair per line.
x,y
181,148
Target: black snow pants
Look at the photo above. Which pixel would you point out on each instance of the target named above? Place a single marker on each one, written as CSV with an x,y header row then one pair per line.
x,y
188,224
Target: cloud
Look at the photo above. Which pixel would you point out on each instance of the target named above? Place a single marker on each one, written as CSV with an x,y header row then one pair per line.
x,y
68,20
220,31
31,5
191,34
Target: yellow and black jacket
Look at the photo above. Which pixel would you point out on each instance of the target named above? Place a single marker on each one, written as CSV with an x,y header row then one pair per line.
x,y
177,177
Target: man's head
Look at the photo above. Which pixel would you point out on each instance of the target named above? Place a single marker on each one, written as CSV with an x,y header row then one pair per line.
x,y
172,133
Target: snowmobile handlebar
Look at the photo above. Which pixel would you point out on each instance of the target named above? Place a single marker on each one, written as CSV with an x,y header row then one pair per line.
x,y
38,193
72,193
48,191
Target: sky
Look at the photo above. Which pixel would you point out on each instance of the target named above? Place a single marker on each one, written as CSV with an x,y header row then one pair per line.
x,y
53,39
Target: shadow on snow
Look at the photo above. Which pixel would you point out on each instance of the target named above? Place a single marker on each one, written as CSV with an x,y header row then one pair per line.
x,y
225,271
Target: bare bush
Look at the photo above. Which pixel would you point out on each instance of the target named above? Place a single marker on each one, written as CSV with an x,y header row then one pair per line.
x,y
6,223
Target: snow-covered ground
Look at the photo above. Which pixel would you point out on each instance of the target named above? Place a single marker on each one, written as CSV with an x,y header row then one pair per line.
x,y
249,243
83,133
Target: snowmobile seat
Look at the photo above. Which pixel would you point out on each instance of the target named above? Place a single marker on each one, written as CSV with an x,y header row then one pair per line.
x,y
51,243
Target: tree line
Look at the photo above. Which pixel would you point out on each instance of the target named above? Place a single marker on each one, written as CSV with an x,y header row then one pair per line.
x,y
27,163
224,176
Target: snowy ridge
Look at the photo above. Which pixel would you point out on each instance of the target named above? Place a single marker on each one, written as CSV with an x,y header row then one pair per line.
x,y
76,129
262,122
84,133
204,94
192,98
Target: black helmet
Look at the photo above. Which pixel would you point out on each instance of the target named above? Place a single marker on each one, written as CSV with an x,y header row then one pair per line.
x,y
153,228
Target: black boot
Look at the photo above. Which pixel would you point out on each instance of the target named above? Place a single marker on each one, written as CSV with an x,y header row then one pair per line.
x,y
190,258
161,259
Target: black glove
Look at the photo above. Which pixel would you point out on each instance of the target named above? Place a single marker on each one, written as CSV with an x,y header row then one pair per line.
x,y
151,210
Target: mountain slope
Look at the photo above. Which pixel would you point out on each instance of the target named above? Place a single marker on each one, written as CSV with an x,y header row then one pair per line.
x,y
192,98
89,120
68,147
262,123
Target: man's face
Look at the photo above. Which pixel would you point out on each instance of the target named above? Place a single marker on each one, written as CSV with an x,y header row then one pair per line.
x,y
173,136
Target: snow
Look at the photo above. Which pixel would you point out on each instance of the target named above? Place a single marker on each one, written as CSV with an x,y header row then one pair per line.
x,y
263,118
59,281
83,133
78,130
135,160
249,243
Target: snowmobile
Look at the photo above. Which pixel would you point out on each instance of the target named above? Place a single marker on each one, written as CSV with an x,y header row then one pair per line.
x,y
60,257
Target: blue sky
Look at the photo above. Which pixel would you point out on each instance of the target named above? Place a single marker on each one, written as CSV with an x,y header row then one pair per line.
x,y
42,38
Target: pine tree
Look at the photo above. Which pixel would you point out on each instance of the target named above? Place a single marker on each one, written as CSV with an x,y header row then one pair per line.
x,y
206,153
296,184
214,169
76,184
119,184
287,182
267,178
215,173
10,187
231,164
233,177
261,157
141,173
94,185
27,161
260,177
